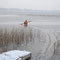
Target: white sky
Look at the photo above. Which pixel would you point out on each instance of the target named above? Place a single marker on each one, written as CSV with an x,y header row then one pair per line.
x,y
31,4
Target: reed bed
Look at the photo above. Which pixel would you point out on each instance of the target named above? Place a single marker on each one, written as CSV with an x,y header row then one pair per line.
x,y
10,38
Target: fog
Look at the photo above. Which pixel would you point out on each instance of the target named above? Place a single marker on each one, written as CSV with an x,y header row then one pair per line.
x,y
31,4
42,35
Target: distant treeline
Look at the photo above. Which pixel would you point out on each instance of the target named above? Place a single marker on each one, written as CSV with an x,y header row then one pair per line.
x,y
14,11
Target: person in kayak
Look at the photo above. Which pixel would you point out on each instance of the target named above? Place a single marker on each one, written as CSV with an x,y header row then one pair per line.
x,y
25,23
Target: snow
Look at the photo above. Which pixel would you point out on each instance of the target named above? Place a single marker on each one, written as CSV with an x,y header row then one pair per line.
x,y
4,57
13,55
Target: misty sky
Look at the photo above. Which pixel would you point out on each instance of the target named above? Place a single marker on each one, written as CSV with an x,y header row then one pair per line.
x,y
31,4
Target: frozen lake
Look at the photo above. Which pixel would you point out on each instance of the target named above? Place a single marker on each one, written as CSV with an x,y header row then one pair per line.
x,y
41,37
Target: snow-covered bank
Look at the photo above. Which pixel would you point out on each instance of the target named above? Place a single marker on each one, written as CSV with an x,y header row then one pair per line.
x,y
15,55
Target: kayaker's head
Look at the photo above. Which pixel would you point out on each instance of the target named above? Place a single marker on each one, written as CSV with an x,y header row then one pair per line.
x,y
26,20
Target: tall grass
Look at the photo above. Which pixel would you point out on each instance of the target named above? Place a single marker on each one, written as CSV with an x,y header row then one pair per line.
x,y
10,38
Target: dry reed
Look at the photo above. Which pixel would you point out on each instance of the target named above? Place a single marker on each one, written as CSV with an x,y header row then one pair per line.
x,y
11,38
